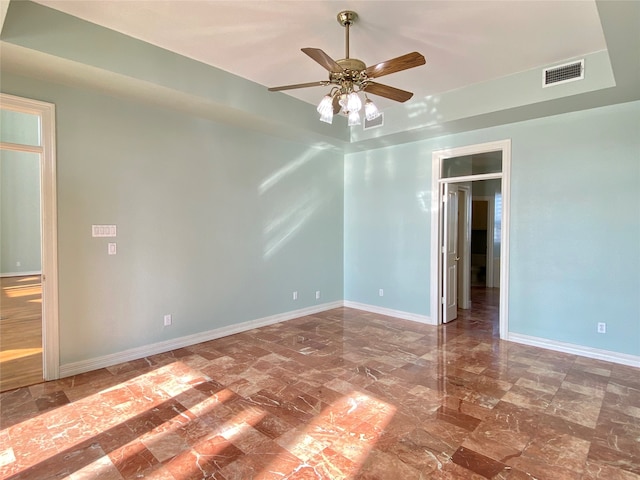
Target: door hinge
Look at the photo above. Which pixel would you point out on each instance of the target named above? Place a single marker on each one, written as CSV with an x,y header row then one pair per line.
x,y
443,300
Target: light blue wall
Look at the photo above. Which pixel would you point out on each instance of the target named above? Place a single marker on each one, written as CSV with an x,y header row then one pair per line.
x,y
387,221
575,228
574,233
20,250
216,224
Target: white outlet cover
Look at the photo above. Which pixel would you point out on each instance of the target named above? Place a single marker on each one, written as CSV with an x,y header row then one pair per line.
x,y
112,248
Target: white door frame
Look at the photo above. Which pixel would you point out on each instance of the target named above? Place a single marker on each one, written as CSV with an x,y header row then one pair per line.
x,y
436,218
464,246
49,223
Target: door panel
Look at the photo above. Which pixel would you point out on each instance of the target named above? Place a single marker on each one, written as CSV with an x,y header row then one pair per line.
x,y
450,253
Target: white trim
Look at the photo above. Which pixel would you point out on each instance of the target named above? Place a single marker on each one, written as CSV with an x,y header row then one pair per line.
x,y
21,274
49,219
16,147
464,247
606,355
470,178
75,368
436,204
504,240
436,180
414,317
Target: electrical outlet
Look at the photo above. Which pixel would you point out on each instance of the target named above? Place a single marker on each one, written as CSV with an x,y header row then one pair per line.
x,y
295,295
381,292
18,264
317,294
167,320
602,327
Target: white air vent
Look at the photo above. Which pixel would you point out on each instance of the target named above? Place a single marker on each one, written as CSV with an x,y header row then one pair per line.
x,y
567,72
375,123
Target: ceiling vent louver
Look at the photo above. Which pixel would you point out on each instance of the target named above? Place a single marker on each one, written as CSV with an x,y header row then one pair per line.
x,y
375,123
568,72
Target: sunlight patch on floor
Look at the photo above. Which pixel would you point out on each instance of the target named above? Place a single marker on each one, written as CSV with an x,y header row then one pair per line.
x,y
7,355
22,290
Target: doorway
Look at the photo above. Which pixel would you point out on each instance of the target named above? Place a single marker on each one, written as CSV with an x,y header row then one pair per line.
x,y
29,314
453,251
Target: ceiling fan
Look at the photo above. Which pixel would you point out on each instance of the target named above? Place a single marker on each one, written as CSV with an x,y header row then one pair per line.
x,y
349,76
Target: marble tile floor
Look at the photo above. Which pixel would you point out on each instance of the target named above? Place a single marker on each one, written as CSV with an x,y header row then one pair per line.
x,y
343,394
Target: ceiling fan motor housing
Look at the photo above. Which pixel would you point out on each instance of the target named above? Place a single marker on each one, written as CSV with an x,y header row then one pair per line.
x,y
353,71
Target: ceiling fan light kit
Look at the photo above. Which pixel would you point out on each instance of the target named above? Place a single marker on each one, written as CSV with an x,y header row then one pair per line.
x,y
350,78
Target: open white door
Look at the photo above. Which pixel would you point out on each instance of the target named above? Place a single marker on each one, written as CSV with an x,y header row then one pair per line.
x,y
450,253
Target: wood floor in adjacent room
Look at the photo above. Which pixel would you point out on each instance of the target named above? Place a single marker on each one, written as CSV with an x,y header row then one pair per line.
x,y
343,394
20,332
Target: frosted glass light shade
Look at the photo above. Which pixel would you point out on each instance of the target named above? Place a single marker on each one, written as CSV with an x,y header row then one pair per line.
x,y
325,109
354,119
325,104
354,104
371,112
326,117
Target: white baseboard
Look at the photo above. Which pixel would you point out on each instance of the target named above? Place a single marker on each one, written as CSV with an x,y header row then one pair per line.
x,y
75,368
83,366
390,312
606,355
21,274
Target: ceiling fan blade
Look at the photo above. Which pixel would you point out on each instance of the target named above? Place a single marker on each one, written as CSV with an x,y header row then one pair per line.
x,y
388,92
323,59
299,85
410,60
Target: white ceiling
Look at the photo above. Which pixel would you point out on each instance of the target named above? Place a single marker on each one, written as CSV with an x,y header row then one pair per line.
x,y
464,42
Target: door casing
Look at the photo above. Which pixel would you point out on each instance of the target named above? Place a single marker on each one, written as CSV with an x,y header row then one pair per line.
x,y
49,223
464,245
436,293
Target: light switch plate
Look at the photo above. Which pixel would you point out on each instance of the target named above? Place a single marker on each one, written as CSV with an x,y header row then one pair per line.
x,y
103,231
112,248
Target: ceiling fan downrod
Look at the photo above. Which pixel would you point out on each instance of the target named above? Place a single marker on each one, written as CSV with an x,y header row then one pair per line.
x,y
346,19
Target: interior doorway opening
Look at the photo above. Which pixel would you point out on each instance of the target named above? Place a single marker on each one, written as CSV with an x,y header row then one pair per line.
x,y
470,248
29,328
